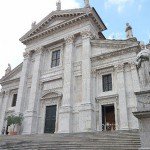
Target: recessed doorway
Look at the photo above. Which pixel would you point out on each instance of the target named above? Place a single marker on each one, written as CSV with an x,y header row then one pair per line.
x,y
108,118
50,119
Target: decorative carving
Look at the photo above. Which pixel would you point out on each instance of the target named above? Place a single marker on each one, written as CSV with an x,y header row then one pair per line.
x,y
69,39
8,70
120,67
105,70
26,54
39,50
87,34
133,66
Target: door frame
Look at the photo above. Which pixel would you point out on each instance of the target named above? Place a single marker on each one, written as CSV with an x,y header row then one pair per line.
x,y
107,100
104,115
55,116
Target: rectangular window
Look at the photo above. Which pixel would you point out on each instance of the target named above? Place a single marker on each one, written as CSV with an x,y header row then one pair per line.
x,y
107,82
14,100
55,58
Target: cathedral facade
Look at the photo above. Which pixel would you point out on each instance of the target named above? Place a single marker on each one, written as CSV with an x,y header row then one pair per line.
x,y
72,78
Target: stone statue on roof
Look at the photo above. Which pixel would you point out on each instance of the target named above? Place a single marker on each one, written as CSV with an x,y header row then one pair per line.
x,y
128,31
87,3
58,5
8,69
33,24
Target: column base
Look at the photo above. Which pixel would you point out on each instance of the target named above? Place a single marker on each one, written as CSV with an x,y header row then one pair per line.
x,y
30,122
65,120
86,118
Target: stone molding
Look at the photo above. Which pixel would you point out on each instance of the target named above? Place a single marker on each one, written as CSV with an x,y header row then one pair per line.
x,y
109,99
70,39
51,94
87,34
120,67
65,109
114,96
86,106
105,70
76,15
114,53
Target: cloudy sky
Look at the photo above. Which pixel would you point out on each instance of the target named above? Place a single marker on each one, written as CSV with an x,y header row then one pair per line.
x,y
17,15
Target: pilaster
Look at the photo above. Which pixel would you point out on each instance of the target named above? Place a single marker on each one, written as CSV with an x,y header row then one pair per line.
x,y
30,117
23,82
122,98
86,118
65,114
4,108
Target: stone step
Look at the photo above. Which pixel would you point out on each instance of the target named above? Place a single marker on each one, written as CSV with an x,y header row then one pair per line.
x,y
118,140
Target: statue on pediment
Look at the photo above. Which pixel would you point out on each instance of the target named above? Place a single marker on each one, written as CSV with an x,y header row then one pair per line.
x,y
87,3
33,24
8,69
58,5
128,30
143,65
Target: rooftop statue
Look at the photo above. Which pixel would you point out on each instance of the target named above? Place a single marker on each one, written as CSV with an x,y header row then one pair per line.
x,y
58,5
128,30
8,69
87,3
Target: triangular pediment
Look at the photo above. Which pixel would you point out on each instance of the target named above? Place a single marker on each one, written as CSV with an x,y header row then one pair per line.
x,y
13,75
50,94
61,19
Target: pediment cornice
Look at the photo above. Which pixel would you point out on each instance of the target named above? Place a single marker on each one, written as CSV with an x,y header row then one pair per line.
x,y
76,15
7,78
115,53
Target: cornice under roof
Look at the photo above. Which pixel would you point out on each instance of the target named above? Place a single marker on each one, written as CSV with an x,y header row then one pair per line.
x,y
76,13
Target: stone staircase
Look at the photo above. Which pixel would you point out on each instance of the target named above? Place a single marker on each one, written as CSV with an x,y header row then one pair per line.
x,y
115,140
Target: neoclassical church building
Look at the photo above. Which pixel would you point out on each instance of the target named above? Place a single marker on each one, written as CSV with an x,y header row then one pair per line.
x,y
72,78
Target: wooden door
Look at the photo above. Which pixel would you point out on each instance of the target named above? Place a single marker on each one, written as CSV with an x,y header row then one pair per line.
x,y
50,119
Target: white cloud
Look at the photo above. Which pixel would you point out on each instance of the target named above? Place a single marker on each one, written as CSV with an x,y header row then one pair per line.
x,y
16,18
120,4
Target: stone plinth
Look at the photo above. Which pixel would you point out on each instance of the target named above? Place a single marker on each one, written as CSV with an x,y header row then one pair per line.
x,y
143,114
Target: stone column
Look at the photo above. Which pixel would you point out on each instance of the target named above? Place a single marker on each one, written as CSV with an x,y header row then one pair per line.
x,y
23,82
122,98
86,109
3,109
31,116
65,113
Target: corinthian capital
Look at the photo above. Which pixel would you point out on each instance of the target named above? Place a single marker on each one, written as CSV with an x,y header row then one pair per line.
x,y
39,50
87,34
69,39
120,67
26,54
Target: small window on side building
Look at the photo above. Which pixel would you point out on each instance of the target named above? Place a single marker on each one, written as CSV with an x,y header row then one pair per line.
x,y
107,82
14,100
